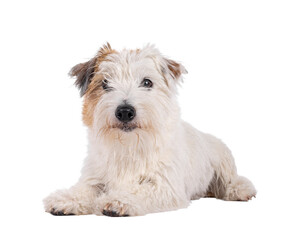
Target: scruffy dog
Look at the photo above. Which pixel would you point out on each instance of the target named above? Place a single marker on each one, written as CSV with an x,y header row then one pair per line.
x,y
142,158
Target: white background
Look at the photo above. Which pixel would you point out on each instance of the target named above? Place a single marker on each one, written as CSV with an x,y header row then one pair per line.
x,y
243,59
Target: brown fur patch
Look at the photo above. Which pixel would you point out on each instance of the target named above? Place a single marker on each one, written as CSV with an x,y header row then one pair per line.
x,y
103,53
83,72
91,99
95,90
174,67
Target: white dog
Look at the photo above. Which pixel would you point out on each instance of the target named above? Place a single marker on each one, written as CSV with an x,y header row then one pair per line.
x,y
142,158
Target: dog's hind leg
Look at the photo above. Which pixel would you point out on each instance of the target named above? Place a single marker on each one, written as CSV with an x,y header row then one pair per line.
x,y
226,183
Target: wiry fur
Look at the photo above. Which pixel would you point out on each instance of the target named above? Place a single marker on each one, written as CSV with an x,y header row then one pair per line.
x,y
163,163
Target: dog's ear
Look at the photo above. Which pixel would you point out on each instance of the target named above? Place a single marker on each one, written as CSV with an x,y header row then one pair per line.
x,y
175,69
83,72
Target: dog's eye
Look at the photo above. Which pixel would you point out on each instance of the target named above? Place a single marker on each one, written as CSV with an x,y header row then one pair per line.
x,y
147,83
105,85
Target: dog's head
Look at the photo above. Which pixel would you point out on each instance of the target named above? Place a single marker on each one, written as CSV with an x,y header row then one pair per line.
x,y
128,93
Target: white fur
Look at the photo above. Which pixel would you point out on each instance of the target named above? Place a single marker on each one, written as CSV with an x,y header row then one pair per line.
x,y
161,165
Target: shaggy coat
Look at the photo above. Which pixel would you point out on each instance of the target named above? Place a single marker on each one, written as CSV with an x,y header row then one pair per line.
x,y
154,163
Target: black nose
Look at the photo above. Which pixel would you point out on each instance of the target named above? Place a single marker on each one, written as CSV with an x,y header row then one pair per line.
x,y
125,113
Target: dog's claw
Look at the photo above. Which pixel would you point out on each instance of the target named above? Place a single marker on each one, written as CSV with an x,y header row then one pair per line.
x,y
60,213
113,214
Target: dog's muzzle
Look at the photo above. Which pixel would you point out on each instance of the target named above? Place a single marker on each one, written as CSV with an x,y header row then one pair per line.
x,y
125,113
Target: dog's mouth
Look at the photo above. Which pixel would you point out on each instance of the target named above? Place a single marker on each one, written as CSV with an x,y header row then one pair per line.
x,y
126,127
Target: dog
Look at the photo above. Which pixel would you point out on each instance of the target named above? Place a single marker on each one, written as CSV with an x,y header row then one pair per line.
x,y
142,158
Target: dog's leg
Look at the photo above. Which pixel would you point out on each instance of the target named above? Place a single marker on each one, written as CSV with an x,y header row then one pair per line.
x,y
227,184
239,189
231,188
140,199
77,200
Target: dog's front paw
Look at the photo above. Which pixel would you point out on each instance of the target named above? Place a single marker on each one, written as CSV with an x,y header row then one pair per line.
x,y
116,209
60,204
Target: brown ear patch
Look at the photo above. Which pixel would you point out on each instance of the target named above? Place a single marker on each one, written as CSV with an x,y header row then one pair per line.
x,y
84,72
174,67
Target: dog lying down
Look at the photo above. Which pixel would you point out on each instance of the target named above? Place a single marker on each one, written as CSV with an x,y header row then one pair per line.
x,y
142,158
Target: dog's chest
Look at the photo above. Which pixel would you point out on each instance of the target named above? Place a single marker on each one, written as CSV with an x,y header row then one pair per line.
x,y
128,168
